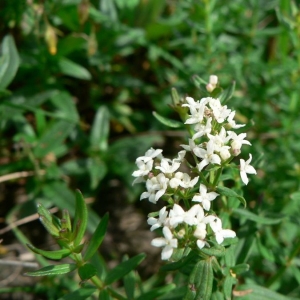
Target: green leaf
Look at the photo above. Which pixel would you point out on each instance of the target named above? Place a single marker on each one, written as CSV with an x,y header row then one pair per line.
x,y
227,286
9,61
156,292
66,107
256,218
179,264
73,69
167,122
129,284
55,254
80,219
227,94
231,193
217,250
217,296
256,292
123,268
104,295
53,270
87,271
239,269
100,130
80,294
53,138
201,281
97,170
175,96
108,8
96,238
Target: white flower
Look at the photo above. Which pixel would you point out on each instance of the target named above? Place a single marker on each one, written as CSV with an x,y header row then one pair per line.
x,y
191,146
156,187
208,155
181,155
202,129
232,123
204,197
221,234
237,140
144,168
178,215
246,168
149,155
160,221
166,168
186,181
167,242
219,140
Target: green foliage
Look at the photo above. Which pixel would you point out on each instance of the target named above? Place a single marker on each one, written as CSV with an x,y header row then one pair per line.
x,y
79,81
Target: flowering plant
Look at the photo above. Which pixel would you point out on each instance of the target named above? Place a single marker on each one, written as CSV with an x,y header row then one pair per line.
x,y
191,227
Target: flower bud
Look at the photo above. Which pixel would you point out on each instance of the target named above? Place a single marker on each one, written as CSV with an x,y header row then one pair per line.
x,y
181,233
200,232
213,79
210,87
225,154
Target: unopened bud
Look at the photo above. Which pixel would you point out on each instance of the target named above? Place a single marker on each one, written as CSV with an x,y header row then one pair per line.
x,y
225,154
181,233
210,87
213,79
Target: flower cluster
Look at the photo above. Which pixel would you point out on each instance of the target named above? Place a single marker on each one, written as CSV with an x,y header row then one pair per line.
x,y
212,146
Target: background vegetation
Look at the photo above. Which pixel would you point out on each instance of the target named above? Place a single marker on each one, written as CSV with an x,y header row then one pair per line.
x,y
79,80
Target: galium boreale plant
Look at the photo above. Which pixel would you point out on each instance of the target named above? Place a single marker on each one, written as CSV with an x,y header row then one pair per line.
x,y
192,186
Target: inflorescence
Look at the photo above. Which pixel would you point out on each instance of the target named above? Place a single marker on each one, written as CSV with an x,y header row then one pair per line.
x,y
212,146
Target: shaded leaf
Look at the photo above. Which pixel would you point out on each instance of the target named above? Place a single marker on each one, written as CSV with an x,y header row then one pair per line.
x,y
96,238
231,193
167,122
80,219
9,61
53,270
55,254
80,294
73,69
256,218
123,268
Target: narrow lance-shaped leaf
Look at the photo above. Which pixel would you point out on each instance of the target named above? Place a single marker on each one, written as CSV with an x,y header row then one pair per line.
x,y
123,268
214,251
80,219
157,292
167,122
97,238
9,61
53,270
231,193
256,218
55,254
227,94
201,281
100,130
80,294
